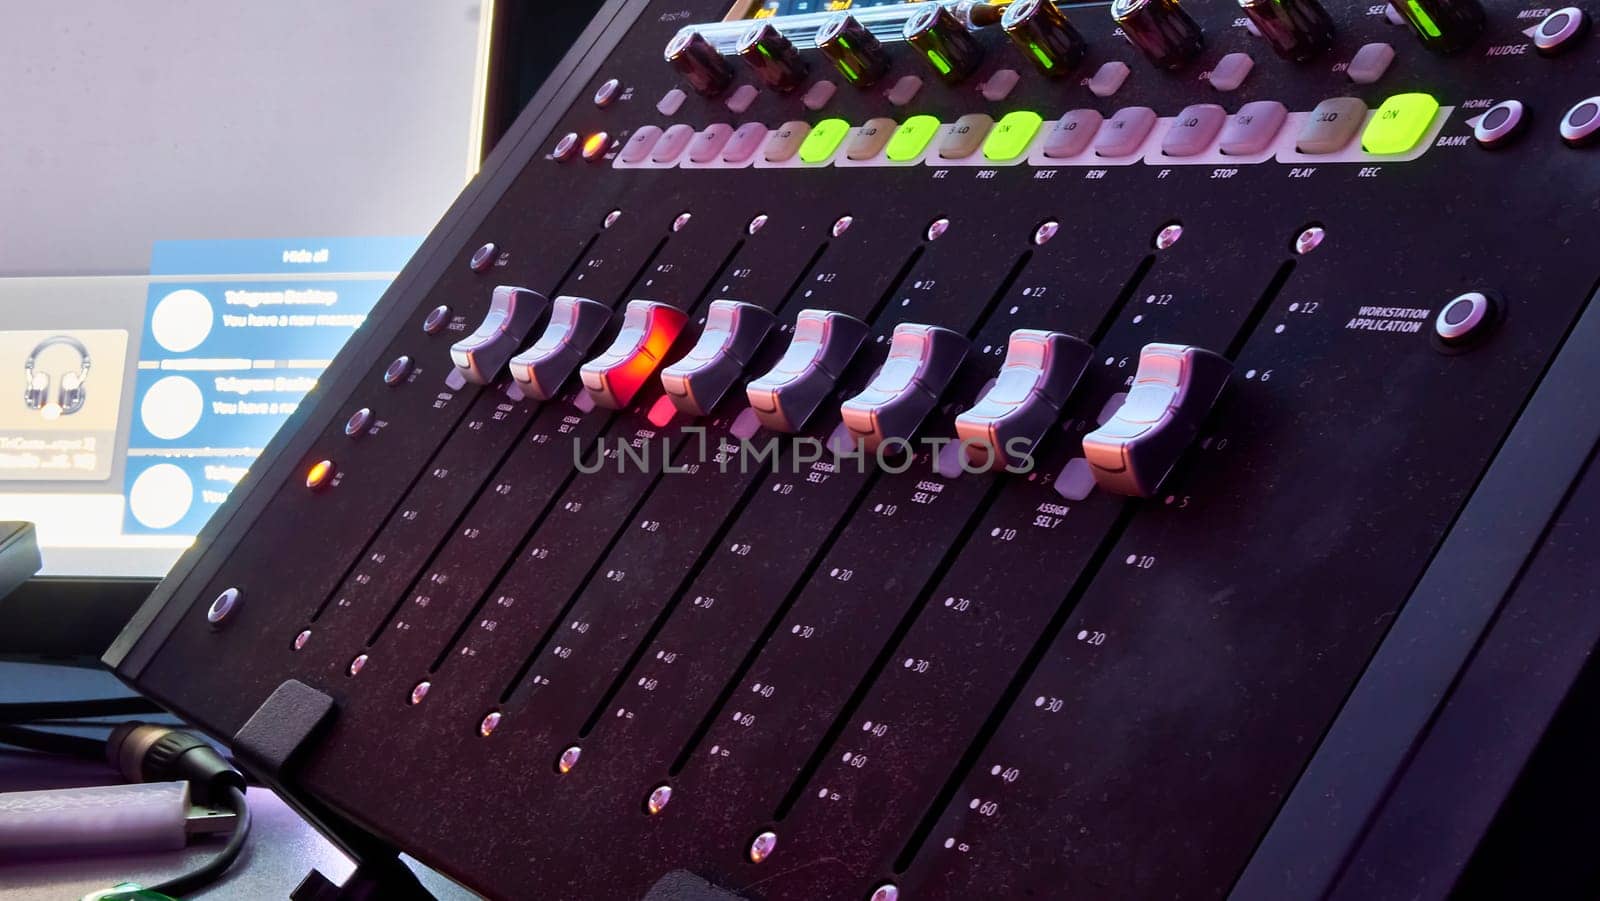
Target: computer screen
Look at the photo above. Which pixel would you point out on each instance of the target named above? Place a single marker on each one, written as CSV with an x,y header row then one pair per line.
x,y
202,203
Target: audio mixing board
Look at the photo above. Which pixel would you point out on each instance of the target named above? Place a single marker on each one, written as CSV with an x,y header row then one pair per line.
x,y
947,450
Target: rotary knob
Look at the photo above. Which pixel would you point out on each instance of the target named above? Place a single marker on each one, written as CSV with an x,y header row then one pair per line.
x,y
773,57
1297,29
944,42
699,63
855,51
1443,26
1041,31
1160,29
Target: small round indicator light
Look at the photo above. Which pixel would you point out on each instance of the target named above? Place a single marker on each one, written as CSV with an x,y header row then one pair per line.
x,y
594,146
319,475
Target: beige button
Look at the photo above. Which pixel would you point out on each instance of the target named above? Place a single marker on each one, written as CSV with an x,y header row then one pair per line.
x,y
785,142
963,137
868,140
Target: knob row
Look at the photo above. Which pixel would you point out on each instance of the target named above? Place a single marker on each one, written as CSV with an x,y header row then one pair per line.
x,y
943,35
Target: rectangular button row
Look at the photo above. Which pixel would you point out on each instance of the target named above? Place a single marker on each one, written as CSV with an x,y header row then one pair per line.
x,y
1397,127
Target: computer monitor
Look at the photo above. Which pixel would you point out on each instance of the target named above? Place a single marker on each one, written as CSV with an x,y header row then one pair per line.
x,y
199,210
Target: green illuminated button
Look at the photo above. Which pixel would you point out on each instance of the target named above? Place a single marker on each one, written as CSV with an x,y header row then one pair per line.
x,y
1399,123
824,139
1011,137
911,138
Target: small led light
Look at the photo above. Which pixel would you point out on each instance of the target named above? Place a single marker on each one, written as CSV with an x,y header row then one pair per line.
x,y
568,759
319,474
595,145
658,799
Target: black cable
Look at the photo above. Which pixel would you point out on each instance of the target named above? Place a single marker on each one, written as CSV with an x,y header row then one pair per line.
x,y
213,869
33,711
57,743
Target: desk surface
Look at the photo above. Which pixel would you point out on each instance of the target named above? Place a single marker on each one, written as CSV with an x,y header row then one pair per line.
x,y
282,847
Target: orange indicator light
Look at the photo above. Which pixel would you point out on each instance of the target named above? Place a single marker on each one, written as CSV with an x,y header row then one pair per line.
x,y
595,145
319,474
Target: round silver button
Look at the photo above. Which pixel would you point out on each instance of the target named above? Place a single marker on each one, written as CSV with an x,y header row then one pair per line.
x,y
1500,124
607,93
397,371
436,320
1580,124
1560,31
1464,318
483,257
222,606
357,423
566,147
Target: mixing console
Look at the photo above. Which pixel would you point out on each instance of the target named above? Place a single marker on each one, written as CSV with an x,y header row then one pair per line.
x,y
934,450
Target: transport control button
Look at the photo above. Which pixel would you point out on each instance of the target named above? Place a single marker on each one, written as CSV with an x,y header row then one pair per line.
x,y
1038,375
1443,26
1109,78
1043,34
648,329
1194,130
854,50
639,144
1579,125
911,138
1253,128
1370,63
943,42
732,333
1071,134
825,138
773,57
1501,124
922,360
708,144
746,139
575,323
1012,136
868,139
1298,30
1231,71
785,142
672,143
822,345
1331,126
1465,318
1160,29
1173,390
699,63
1399,123
1560,31
1125,131
512,313
964,136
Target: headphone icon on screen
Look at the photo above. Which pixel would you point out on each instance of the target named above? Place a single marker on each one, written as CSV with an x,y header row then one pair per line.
x,y
71,393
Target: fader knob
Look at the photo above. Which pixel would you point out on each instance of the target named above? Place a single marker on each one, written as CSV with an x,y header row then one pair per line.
x,y
699,62
1161,29
1041,31
922,360
855,51
1174,388
1297,29
944,42
1444,26
773,57
480,356
1040,371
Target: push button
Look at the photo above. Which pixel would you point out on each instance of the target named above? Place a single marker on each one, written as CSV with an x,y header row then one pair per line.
x,y
868,140
1173,390
822,344
672,143
819,146
911,138
964,136
639,145
1231,71
512,313
1331,126
733,331
922,360
1194,130
1399,123
1465,319
1579,125
708,144
575,323
1370,63
1560,31
1038,375
1011,137
648,330
1071,134
1125,131
785,142
1109,78
1252,129
1500,125
744,142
